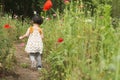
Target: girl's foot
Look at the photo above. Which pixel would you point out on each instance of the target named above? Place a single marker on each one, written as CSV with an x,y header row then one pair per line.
x,y
39,67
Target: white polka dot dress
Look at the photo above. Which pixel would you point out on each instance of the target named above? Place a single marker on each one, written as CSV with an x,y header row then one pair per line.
x,y
34,43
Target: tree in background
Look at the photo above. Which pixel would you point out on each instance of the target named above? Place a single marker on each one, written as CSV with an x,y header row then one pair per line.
x,y
26,8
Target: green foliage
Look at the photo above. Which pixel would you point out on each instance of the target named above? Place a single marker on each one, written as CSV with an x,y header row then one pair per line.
x,y
9,36
89,45
7,50
24,65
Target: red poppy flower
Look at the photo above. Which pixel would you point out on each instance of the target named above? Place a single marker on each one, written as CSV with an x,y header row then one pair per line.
x,y
47,5
60,40
7,26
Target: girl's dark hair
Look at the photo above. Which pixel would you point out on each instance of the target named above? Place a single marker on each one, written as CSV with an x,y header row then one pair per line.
x,y
37,19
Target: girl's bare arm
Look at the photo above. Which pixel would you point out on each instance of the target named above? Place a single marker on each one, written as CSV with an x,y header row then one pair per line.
x,y
25,35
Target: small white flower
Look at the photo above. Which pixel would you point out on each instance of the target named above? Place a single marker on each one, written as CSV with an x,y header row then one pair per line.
x,y
54,15
88,20
47,18
35,12
10,17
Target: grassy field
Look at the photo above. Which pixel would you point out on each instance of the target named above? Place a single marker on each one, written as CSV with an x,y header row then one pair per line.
x,y
89,49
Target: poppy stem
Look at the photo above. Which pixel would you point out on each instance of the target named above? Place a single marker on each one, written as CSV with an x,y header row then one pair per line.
x,y
54,11
45,13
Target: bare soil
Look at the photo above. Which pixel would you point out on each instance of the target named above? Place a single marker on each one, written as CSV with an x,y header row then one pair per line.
x,y
22,67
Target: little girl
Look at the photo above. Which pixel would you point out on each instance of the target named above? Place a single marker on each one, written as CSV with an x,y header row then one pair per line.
x,y
34,44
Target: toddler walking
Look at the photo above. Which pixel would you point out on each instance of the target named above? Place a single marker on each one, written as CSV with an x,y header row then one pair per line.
x,y
34,44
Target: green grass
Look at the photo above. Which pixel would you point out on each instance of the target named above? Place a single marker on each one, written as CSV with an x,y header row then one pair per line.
x,y
90,47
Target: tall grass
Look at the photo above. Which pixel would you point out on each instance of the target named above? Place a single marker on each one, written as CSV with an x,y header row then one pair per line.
x,y
7,50
90,50
8,37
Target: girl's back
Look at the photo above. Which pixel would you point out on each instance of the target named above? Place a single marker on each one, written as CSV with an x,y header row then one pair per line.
x,y
34,43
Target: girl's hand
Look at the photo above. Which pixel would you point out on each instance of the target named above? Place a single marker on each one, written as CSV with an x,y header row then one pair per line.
x,y
20,37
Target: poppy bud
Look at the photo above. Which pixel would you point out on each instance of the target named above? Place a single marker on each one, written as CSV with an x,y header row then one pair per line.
x,y
60,40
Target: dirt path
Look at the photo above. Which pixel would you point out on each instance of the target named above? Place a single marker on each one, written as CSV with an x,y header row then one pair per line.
x,y
22,72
